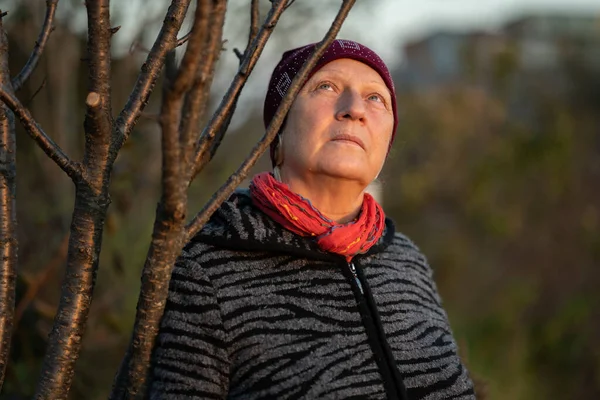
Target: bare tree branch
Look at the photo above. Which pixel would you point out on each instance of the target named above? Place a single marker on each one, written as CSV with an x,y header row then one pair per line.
x,y
234,180
98,119
254,22
172,105
8,213
220,120
8,234
165,42
41,138
191,59
91,204
182,103
38,49
196,99
254,25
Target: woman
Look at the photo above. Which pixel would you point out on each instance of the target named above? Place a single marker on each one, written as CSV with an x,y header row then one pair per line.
x,y
300,287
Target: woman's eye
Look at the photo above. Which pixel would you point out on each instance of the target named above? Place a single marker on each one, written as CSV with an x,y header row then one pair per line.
x,y
325,86
376,97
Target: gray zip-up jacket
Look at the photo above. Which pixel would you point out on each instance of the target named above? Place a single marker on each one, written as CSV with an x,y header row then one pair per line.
x,y
257,312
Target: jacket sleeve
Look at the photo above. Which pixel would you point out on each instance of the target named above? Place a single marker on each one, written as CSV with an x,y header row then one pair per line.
x,y
190,358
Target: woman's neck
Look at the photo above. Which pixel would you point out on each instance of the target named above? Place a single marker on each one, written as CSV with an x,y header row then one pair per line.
x,y
337,199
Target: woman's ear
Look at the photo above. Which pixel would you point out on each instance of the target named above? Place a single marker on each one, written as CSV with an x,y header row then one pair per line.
x,y
279,150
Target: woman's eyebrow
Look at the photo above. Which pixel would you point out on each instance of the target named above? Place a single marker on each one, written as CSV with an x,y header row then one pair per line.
x,y
330,72
381,85
340,73
378,83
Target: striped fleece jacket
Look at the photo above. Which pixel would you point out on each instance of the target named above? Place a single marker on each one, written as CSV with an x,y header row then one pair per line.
x,y
257,312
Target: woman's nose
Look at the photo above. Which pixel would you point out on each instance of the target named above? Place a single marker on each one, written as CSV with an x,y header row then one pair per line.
x,y
350,106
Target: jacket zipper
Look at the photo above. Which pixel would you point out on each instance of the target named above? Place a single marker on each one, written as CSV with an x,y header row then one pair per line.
x,y
356,278
399,390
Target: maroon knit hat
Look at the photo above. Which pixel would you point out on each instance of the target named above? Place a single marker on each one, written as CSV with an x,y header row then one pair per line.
x,y
292,61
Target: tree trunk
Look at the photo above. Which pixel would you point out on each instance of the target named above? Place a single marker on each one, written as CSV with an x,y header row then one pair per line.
x,y
64,342
91,205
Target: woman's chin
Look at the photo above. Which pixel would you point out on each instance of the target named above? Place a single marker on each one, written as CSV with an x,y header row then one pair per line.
x,y
350,170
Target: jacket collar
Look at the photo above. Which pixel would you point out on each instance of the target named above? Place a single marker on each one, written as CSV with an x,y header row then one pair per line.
x,y
238,224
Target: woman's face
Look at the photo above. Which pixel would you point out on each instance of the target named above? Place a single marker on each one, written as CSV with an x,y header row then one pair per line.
x,y
340,124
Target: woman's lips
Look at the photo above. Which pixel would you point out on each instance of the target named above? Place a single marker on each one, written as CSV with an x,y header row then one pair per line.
x,y
349,138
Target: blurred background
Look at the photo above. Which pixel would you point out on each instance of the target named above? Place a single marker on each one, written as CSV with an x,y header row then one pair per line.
x,y
495,174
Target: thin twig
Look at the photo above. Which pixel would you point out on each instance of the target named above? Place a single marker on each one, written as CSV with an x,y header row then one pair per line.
x,y
181,42
254,25
136,45
165,42
238,54
254,21
41,138
38,49
217,140
150,116
37,91
234,180
219,121
42,278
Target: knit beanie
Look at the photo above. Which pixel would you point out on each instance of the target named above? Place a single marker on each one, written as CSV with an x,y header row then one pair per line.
x,y
292,60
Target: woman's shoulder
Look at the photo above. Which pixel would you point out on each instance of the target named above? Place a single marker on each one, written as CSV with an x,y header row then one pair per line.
x,y
402,240
395,241
230,220
404,250
239,226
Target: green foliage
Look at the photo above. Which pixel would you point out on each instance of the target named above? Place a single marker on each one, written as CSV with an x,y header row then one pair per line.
x,y
507,211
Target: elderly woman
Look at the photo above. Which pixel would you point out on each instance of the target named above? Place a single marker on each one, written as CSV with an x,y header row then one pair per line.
x,y
300,288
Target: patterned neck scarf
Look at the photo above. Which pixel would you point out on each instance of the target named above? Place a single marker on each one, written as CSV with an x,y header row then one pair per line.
x,y
296,214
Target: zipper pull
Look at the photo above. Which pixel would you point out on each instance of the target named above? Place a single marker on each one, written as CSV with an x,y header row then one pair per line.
x,y
356,279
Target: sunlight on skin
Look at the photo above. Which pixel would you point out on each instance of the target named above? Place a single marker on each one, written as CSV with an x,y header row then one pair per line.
x,y
337,137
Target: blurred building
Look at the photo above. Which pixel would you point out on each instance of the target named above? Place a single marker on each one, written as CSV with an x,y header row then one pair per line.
x,y
534,44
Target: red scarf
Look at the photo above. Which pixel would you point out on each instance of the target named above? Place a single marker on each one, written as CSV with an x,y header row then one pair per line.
x,y
296,214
